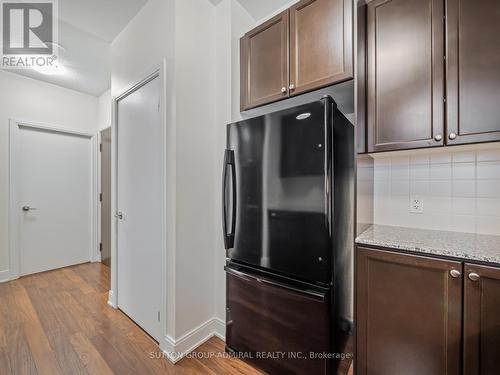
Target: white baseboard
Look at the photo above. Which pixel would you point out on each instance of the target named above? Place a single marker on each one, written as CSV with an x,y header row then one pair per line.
x,y
6,276
112,299
175,350
220,329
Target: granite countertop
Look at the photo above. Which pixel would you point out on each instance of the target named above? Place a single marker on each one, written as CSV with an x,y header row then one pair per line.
x,y
467,246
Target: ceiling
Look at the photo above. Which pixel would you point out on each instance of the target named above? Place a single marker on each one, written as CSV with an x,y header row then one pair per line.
x,y
86,30
259,9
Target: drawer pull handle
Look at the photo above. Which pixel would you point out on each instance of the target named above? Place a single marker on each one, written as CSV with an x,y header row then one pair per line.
x,y
474,276
455,273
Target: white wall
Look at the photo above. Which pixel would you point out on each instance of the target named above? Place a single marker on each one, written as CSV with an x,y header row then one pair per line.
x,y
104,110
196,143
146,43
460,188
232,21
182,33
28,99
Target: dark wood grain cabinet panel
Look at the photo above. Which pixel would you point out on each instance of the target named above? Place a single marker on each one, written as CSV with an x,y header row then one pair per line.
x,y
275,318
320,44
473,71
408,314
481,320
307,47
405,75
264,63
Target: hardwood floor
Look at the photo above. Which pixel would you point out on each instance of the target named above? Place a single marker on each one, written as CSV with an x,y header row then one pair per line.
x,y
59,322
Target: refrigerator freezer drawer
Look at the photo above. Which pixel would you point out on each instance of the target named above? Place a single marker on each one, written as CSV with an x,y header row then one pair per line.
x,y
276,327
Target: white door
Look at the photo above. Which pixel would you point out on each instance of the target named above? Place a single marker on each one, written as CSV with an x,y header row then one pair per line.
x,y
140,201
53,199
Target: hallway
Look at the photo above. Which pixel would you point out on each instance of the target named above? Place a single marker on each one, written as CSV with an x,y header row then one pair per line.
x,y
59,322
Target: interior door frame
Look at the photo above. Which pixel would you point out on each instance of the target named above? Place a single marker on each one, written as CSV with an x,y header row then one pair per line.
x,y
14,181
159,72
99,184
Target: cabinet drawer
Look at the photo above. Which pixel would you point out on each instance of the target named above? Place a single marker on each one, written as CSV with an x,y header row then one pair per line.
x,y
267,317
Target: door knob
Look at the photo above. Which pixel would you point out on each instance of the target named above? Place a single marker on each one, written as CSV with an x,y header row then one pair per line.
x,y
438,137
455,273
28,208
119,215
283,90
292,86
452,136
474,276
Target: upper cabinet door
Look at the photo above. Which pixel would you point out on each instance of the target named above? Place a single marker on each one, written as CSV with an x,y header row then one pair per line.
x,y
320,44
481,320
473,71
405,52
264,63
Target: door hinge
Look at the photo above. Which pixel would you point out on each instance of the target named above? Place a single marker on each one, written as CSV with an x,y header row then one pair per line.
x,y
100,246
158,316
100,147
100,197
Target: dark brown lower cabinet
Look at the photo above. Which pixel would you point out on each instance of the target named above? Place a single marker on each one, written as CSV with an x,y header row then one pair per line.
x,y
409,314
481,320
284,324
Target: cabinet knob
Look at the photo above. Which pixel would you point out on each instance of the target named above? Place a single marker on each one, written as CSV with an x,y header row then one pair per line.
x,y
292,86
455,273
452,136
283,90
474,276
438,137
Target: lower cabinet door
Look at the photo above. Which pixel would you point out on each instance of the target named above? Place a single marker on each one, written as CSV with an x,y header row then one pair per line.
x,y
482,320
276,327
408,314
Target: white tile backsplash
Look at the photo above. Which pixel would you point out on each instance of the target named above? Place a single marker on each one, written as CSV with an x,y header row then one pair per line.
x,y
464,157
464,171
460,190
488,155
488,170
488,188
440,171
441,158
464,188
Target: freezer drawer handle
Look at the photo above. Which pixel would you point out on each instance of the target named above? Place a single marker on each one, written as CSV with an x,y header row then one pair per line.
x,y
229,237
246,276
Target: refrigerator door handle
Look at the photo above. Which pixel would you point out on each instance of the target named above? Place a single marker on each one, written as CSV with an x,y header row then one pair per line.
x,y
229,237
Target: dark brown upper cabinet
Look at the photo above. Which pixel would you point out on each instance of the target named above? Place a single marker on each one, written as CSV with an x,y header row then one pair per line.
x,y
307,47
405,74
320,44
264,63
481,320
473,71
409,314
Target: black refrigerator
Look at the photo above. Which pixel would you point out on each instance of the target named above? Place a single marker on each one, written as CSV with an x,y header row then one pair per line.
x,y
288,225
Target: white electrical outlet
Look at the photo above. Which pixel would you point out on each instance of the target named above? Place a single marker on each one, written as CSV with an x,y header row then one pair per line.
x,y
416,204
